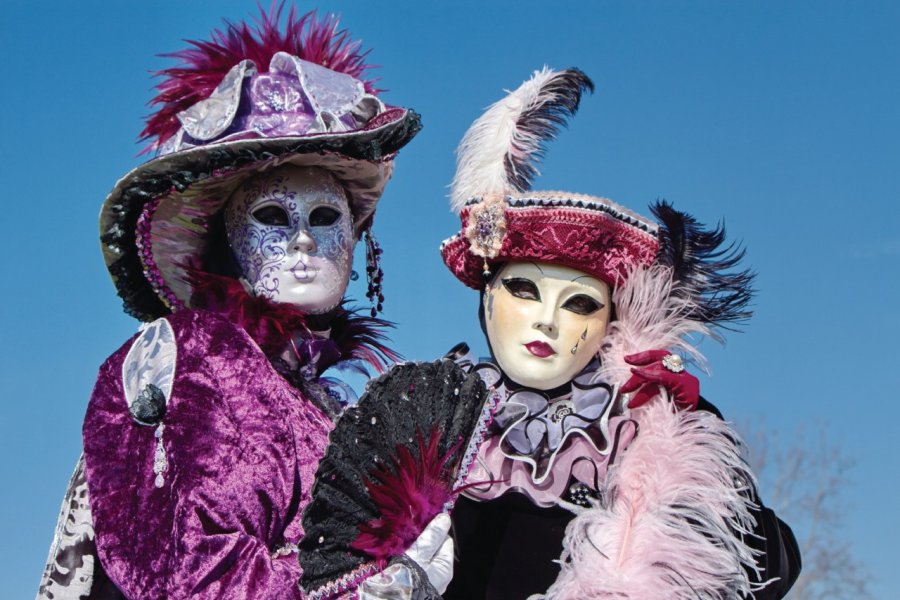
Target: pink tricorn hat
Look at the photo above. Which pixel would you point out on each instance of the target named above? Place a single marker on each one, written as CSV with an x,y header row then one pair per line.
x,y
590,234
502,220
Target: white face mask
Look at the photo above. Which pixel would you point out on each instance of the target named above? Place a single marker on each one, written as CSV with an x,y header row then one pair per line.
x,y
291,232
545,322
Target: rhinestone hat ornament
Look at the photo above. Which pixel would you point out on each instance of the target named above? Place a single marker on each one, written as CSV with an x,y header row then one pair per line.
x,y
487,229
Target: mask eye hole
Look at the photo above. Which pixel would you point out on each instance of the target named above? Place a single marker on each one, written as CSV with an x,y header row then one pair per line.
x,y
522,288
271,215
582,304
323,216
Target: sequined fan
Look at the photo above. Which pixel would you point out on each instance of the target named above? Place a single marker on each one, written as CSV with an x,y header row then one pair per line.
x,y
395,460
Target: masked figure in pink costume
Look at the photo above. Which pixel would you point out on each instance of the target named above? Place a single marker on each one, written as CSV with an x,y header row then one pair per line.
x,y
603,474
234,247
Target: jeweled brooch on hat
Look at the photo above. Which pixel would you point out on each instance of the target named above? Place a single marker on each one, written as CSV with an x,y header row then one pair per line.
x,y
487,229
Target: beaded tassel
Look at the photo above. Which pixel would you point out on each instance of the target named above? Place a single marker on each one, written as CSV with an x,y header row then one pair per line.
x,y
374,274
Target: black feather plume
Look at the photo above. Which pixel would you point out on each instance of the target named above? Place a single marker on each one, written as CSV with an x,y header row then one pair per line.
x,y
704,267
559,98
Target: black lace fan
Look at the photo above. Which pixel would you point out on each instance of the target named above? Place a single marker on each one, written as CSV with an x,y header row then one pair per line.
x,y
391,466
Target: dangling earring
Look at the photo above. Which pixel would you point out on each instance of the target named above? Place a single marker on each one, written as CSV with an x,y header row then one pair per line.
x,y
353,275
486,272
374,274
583,337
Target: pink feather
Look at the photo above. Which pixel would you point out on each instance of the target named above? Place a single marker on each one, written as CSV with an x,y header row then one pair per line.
x,y
676,506
648,317
409,492
673,522
205,63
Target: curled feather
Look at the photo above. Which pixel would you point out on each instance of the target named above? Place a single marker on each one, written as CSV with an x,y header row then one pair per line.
x,y
703,268
499,152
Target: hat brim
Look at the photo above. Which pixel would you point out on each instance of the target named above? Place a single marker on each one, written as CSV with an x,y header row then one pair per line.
x,y
173,198
592,235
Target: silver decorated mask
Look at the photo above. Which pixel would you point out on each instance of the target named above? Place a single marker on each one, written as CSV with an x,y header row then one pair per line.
x,y
291,232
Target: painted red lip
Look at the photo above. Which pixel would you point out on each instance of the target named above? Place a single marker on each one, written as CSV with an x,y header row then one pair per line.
x,y
540,349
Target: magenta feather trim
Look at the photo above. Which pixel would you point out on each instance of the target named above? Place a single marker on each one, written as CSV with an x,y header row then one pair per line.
x,y
362,338
409,492
674,517
205,63
272,325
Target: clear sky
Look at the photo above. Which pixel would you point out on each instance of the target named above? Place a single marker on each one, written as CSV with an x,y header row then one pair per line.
x,y
783,118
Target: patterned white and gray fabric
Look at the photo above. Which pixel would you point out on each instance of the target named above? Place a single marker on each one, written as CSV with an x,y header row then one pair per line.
x,y
73,571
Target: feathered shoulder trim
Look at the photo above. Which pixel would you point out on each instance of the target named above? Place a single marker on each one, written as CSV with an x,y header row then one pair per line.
x,y
272,325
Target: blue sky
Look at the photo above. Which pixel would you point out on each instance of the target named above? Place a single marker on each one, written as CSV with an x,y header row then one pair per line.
x,y
781,118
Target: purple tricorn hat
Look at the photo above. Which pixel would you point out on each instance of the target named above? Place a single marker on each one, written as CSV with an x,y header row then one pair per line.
x,y
247,101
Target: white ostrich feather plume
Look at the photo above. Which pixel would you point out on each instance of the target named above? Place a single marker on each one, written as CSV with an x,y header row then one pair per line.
x,y
499,152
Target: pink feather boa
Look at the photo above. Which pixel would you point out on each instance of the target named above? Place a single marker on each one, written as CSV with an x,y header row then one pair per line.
x,y
673,520
676,508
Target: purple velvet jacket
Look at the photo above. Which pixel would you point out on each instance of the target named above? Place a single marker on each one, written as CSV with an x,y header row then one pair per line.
x,y
241,447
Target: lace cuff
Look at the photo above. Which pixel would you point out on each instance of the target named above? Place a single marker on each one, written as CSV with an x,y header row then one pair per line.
x,y
402,580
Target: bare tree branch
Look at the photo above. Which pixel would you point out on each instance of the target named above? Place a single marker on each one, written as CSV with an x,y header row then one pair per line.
x,y
803,477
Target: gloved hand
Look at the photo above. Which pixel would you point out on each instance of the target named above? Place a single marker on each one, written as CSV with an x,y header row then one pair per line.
x,y
430,556
433,551
660,368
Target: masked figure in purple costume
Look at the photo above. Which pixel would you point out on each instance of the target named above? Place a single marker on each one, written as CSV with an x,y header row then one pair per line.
x,y
603,474
234,247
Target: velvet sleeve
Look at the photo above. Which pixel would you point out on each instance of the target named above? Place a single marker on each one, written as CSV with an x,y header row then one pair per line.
x,y
778,553
239,448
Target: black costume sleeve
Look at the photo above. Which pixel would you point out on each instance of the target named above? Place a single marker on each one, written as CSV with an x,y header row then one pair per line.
x,y
779,556
779,552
